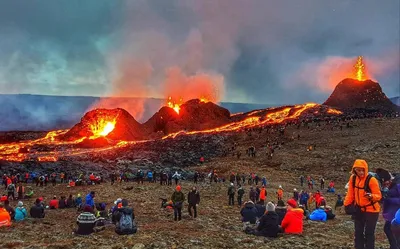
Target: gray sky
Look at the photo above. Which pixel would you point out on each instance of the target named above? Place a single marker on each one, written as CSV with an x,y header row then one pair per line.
x,y
264,51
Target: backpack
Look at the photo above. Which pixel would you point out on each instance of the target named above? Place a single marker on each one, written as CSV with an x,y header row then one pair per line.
x,y
231,191
125,222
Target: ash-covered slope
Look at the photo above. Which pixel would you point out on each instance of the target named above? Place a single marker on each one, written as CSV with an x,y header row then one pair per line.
x,y
125,126
193,115
351,94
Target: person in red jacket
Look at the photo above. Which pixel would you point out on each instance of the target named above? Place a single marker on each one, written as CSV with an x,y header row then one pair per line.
x,y
53,203
317,197
292,223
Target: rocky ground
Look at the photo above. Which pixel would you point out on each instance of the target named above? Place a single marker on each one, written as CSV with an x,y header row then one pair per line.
x,y
218,225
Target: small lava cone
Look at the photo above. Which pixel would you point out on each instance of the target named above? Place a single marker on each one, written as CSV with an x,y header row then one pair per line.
x,y
352,94
115,124
193,115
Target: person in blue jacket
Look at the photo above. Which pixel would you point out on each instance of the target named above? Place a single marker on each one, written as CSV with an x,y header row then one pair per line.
x,y
318,214
150,176
89,201
20,212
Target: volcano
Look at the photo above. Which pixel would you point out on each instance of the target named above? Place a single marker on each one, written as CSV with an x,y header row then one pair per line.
x,y
193,115
114,124
367,95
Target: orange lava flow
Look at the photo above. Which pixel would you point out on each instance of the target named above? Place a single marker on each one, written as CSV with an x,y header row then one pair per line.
x,y
360,69
275,117
56,148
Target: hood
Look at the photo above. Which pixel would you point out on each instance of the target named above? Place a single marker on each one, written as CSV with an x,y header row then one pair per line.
x,y
359,163
126,210
249,205
297,212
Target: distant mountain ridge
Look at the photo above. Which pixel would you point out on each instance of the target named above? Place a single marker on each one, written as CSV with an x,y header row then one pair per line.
x,y
46,112
396,100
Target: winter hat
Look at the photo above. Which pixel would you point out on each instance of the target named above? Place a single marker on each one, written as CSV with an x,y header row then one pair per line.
x,y
270,207
178,188
294,190
231,183
280,186
117,201
124,202
292,203
79,195
20,204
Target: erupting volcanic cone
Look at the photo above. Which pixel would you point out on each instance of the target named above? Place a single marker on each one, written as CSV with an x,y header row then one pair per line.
x,y
115,124
193,115
352,94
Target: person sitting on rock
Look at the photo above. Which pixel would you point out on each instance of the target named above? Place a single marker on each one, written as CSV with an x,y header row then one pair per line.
x,y
5,218
86,221
329,213
126,220
53,204
292,223
62,203
9,209
37,210
318,214
29,193
269,223
249,214
177,199
70,202
20,212
339,202
78,201
280,210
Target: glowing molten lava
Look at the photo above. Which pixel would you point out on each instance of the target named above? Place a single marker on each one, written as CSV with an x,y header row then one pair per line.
x,y
360,69
102,128
174,105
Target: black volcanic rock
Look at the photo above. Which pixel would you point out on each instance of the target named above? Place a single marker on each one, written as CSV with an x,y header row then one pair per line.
x,y
193,115
126,127
351,94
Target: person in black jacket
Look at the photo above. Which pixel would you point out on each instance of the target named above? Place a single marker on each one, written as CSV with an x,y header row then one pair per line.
x,y
193,200
269,223
62,203
37,211
280,210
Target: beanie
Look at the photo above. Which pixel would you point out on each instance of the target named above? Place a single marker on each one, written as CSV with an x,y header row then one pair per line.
x,y
292,203
270,207
20,204
178,188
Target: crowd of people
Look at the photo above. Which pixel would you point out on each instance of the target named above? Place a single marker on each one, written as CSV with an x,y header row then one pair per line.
x,y
262,214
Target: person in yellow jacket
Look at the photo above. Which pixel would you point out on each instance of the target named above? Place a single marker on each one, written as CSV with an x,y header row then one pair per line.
x,y
5,218
363,197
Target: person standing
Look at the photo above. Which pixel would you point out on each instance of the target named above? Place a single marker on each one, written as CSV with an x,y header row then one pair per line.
x,y
240,193
391,203
194,201
177,199
322,182
231,194
363,198
263,195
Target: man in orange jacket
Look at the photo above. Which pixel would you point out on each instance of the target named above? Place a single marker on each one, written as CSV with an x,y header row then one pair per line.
x,y
5,218
263,195
365,194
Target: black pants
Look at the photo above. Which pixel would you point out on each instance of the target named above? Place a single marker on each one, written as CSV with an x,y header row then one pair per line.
x,y
364,224
177,213
232,200
394,241
176,181
10,194
239,199
194,210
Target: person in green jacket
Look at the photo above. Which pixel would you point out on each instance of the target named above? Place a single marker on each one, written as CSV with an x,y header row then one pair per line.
x,y
177,199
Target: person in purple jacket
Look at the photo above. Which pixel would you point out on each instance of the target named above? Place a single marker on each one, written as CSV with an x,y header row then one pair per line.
x,y
391,203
